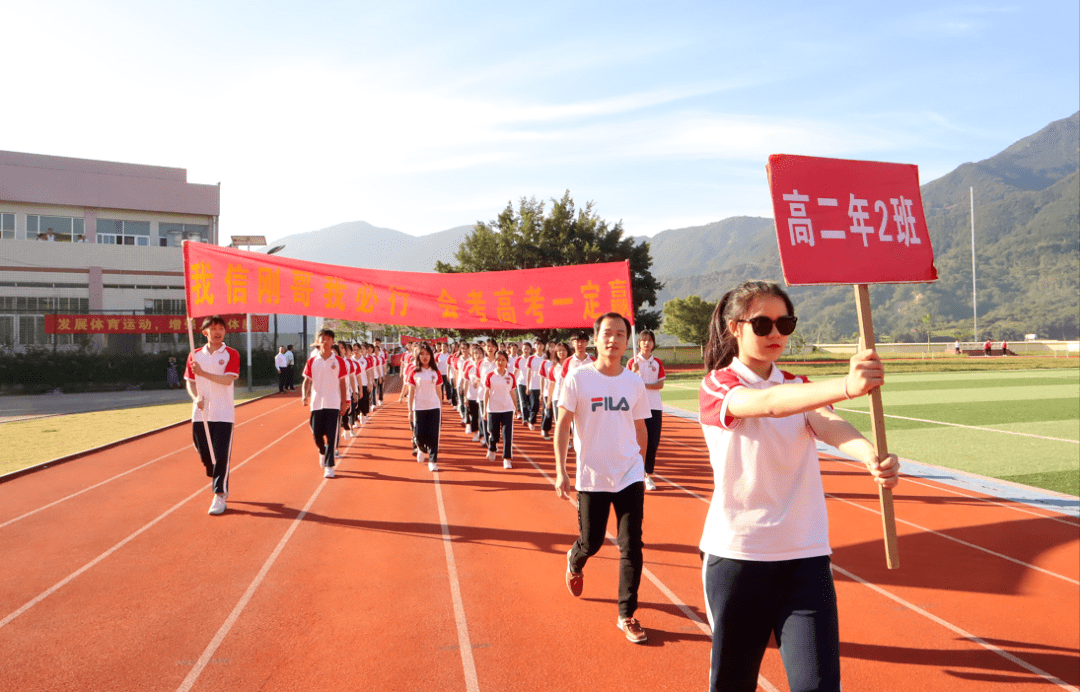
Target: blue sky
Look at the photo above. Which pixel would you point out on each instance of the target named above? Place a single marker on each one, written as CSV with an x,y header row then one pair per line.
x,y
422,116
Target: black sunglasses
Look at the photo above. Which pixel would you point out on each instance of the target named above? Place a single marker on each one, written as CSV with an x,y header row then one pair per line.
x,y
762,325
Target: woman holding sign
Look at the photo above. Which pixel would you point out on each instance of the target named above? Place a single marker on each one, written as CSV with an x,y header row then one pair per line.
x,y
766,536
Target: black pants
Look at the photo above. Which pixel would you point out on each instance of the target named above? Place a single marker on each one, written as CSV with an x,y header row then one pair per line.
x,y
534,405
593,510
365,402
548,420
221,438
282,379
324,426
472,415
523,401
427,425
501,422
652,426
378,387
794,600
289,376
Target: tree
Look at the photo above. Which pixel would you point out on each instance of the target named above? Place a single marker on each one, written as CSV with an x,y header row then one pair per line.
x,y
529,238
688,319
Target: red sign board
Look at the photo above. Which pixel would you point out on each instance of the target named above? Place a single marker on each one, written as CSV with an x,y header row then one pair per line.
x,y
143,324
849,222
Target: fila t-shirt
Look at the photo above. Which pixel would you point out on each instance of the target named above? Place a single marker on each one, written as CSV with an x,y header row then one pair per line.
x,y
768,501
605,435
425,383
651,371
501,388
324,374
218,398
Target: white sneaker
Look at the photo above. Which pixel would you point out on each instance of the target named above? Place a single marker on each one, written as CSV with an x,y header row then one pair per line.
x,y
476,437
468,430
649,485
545,436
532,427
432,466
218,505
491,455
420,457
329,472
507,464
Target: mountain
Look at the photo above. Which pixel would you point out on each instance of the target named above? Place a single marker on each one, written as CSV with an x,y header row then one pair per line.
x,y
359,244
1027,235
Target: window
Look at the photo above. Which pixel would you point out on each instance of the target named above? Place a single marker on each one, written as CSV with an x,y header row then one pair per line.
x,y
65,229
111,232
7,330
7,227
32,331
166,306
172,234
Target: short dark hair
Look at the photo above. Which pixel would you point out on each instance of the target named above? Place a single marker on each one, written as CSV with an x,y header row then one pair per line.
x,y
610,316
325,331
212,320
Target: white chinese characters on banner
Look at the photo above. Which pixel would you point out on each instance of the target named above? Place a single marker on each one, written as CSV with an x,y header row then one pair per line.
x,y
801,225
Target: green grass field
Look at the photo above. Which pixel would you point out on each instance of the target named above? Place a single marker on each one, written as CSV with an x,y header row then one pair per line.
x,y
1020,425
59,436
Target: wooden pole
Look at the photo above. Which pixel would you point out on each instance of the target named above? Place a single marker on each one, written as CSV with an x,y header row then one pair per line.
x,y
877,428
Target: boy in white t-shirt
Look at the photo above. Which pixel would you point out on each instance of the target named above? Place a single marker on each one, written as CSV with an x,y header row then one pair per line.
x,y
210,373
608,407
324,386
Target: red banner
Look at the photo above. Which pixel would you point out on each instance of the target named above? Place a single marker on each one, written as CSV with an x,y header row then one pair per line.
x,y
226,279
849,222
143,324
405,340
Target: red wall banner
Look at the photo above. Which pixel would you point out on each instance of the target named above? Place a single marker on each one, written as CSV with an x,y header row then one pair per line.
x,y
143,324
849,222
405,340
220,279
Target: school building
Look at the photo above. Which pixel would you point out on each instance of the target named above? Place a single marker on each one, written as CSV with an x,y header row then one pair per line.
x,y
84,237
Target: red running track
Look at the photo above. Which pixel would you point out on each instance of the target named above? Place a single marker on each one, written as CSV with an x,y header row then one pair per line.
x,y
389,577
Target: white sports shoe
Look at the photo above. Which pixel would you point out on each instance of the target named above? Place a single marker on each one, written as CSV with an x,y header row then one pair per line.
x,y
218,505
476,437
507,464
432,466
329,472
491,455
468,430
649,485
420,457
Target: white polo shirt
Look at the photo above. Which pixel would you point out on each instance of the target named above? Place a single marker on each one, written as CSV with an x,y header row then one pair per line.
x,y
651,371
502,388
768,501
324,374
605,434
219,403
281,361
569,365
425,383
536,363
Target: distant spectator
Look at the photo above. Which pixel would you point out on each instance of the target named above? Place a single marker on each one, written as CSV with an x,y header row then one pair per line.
x,y
1004,347
956,347
172,376
81,238
50,236
988,347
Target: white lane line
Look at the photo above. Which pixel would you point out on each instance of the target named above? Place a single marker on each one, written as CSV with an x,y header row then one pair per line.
x,y
119,475
676,601
223,631
969,427
68,579
472,683
956,630
946,536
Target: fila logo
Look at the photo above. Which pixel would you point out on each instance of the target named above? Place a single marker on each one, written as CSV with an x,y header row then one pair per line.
x,y
608,404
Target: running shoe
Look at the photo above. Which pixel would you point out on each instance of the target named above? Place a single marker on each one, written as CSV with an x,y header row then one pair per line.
x,y
468,429
491,455
329,472
545,436
507,464
218,505
575,581
649,485
432,466
420,457
476,437
632,629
